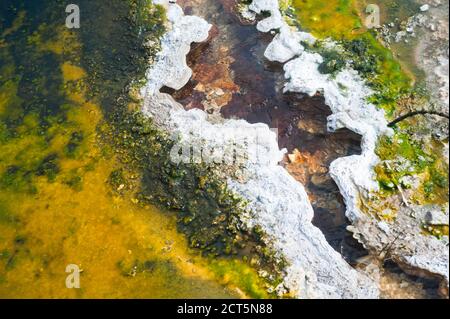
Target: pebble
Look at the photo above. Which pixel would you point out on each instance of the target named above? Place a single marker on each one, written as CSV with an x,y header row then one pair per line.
x,y
219,92
425,8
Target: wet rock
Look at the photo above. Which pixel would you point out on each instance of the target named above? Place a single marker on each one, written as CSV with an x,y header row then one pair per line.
x,y
435,217
175,73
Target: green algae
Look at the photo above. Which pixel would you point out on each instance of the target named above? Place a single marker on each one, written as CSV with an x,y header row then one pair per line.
x,y
34,113
236,273
7,217
340,21
336,18
406,160
438,231
53,181
402,155
393,11
61,106
208,213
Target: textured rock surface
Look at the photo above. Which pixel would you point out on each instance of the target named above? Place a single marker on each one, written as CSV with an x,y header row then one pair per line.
x,y
174,72
433,53
426,33
278,203
346,94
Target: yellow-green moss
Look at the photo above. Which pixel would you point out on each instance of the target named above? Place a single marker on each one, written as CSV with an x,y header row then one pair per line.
x,y
436,230
334,18
340,21
395,92
56,207
402,156
240,275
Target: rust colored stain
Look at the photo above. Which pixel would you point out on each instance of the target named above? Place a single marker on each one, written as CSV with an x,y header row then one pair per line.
x,y
305,165
212,84
232,64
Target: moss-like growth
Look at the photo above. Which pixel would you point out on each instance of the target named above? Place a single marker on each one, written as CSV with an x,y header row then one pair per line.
x,y
41,90
375,64
74,143
46,76
339,20
333,62
403,156
407,161
208,213
50,88
438,231
117,179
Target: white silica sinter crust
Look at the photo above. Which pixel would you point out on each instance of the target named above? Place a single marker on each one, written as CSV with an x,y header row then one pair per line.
x,y
277,203
346,94
171,70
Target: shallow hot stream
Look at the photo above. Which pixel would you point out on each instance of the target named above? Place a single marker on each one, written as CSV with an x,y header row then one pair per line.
x,y
232,79
231,74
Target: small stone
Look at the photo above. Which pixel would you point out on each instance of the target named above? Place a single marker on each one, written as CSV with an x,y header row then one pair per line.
x,y
404,284
436,218
425,8
200,87
219,92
